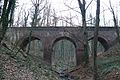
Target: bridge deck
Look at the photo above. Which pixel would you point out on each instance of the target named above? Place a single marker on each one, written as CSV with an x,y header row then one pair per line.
x,y
52,28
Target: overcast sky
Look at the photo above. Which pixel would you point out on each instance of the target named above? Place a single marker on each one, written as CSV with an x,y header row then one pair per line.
x,y
62,10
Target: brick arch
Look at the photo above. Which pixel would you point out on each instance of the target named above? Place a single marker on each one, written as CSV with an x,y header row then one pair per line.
x,y
50,42
69,39
103,41
25,41
62,38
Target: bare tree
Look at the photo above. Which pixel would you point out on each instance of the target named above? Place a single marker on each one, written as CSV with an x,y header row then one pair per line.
x,y
83,13
115,21
26,16
55,19
96,39
7,13
0,5
19,16
48,15
38,5
83,8
104,16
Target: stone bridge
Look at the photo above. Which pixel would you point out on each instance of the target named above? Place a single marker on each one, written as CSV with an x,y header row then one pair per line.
x,y
50,35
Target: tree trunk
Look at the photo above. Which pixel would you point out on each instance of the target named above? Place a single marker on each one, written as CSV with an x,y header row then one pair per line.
x,y
83,12
8,9
115,22
96,39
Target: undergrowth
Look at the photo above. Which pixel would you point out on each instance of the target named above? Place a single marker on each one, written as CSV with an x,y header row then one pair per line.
x,y
39,69
109,62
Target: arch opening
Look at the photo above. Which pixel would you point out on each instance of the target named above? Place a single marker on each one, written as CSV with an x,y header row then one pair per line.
x,y
104,43
101,47
64,54
34,45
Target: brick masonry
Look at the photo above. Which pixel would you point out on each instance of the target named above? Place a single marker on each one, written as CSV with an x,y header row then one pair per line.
x,y
50,35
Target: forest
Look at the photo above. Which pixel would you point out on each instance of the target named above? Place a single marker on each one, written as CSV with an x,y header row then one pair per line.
x,y
59,40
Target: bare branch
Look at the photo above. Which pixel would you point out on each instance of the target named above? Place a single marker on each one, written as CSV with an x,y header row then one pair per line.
x,y
72,8
80,5
89,4
115,21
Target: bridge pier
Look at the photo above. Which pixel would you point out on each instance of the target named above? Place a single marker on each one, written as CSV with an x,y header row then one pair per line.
x,y
79,55
48,55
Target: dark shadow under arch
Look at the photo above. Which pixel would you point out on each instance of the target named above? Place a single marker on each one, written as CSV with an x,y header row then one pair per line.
x,y
103,42
25,41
